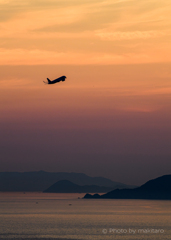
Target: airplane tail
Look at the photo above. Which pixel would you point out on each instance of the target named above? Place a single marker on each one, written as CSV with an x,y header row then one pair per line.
x,y
49,81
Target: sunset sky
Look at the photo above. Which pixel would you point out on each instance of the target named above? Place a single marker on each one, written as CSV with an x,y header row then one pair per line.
x,y
112,115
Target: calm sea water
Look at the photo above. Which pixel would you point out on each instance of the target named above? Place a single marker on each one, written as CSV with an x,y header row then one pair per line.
x,y
64,216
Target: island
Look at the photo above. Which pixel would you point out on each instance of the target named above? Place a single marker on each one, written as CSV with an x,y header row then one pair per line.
x,y
155,189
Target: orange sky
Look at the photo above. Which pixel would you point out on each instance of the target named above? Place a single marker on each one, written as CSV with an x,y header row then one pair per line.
x,y
115,103
84,32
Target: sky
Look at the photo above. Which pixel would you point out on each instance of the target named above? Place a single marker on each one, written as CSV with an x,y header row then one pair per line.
x,y
111,117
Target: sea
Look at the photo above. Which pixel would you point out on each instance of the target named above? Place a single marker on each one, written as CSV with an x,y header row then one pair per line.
x,y
68,216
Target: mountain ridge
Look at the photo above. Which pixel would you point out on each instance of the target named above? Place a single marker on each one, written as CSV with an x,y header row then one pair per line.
x,y
65,186
41,180
159,189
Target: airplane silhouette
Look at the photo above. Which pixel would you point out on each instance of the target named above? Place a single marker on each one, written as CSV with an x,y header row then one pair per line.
x,y
62,78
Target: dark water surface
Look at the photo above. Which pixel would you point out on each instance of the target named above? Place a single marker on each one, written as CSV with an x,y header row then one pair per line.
x,y
67,216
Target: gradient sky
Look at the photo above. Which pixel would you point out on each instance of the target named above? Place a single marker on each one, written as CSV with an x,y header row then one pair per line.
x,y
112,115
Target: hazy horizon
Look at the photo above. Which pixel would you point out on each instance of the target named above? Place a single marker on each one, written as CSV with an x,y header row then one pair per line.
x,y
120,130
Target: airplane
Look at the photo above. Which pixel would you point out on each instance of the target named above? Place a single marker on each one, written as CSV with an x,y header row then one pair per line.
x,y
62,78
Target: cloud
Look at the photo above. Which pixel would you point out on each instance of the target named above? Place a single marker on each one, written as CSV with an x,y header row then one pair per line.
x,y
28,22
36,56
86,32
128,35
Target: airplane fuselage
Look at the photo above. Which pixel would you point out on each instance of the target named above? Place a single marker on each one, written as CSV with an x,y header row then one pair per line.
x,y
62,78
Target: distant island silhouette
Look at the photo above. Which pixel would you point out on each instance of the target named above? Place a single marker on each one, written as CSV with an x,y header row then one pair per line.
x,y
156,189
65,186
42,180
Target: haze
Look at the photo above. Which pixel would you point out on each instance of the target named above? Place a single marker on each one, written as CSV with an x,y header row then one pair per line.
x,y
111,117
